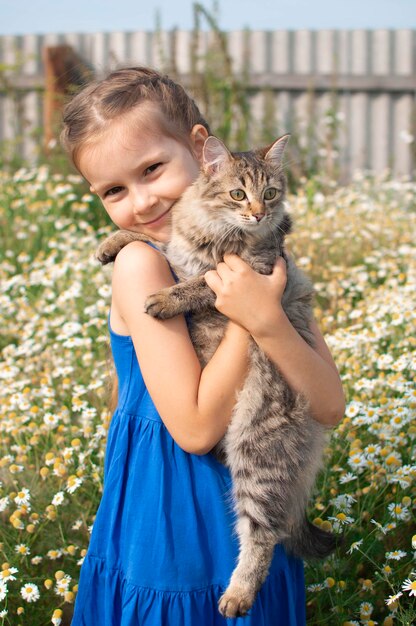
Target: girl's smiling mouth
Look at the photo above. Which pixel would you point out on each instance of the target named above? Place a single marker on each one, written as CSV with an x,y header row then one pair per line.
x,y
157,219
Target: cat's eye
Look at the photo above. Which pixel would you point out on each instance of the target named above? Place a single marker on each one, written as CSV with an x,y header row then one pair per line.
x,y
237,194
270,193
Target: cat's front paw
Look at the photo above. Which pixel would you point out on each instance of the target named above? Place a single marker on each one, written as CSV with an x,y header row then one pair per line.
x,y
110,247
159,305
106,252
235,602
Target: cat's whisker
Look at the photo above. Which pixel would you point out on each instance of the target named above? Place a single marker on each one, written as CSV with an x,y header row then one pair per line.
x,y
274,234
288,164
224,235
233,228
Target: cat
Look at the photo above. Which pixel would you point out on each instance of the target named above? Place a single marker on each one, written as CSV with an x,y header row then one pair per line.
x,y
273,447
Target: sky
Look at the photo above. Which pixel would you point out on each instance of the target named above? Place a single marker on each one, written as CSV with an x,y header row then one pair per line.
x,y
62,16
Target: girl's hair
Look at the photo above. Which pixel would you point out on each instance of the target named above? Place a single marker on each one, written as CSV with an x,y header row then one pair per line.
x,y
86,116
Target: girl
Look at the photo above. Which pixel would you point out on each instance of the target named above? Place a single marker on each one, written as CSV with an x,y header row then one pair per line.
x,y
162,548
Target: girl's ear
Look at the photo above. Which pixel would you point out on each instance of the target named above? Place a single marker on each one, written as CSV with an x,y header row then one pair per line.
x,y
275,152
214,155
198,136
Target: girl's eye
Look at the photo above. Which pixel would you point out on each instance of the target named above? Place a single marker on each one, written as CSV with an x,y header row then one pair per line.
x,y
237,194
113,191
270,193
152,168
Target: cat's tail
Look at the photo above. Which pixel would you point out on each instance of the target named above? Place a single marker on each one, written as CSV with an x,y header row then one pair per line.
x,y
311,542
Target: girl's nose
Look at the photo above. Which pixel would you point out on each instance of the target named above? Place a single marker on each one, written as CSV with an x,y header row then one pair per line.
x,y
143,200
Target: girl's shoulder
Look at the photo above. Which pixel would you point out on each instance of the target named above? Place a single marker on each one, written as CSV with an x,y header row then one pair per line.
x,y
138,255
139,271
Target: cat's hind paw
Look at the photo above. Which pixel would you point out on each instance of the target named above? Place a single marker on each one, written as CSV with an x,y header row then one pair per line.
x,y
235,602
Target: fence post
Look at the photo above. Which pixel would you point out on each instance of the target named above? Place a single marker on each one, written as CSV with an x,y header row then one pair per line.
x,y
64,71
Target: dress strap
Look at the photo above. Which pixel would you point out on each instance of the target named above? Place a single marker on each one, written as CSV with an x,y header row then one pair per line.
x,y
152,245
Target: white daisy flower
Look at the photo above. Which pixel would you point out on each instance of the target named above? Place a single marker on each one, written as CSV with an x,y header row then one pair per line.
x,y
366,608
73,483
354,546
347,478
8,574
50,420
392,599
396,555
357,462
343,502
23,497
62,585
22,549
353,409
36,560
30,592
4,503
398,511
410,586
58,498
3,590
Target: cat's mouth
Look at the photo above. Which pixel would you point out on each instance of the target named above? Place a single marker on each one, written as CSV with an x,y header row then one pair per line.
x,y
253,221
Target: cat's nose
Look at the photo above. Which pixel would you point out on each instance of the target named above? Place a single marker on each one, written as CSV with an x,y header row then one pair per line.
x,y
258,216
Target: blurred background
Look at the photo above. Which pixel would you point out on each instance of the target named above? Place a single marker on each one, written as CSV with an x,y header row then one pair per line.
x,y
341,78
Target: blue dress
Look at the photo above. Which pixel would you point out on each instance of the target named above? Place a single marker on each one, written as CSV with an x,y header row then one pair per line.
x,y
162,547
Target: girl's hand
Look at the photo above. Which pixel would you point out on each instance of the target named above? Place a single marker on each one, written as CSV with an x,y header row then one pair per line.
x,y
248,298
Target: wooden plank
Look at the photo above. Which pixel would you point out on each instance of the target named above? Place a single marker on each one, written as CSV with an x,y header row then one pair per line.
x,y
294,82
359,48
381,52
285,82
402,124
325,52
304,52
183,43
358,146
31,126
138,48
258,52
280,53
117,49
379,121
405,52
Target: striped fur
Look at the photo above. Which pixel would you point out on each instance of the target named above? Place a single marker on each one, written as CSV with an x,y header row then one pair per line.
x,y
273,447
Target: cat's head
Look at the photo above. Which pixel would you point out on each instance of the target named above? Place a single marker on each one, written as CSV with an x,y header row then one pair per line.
x,y
244,189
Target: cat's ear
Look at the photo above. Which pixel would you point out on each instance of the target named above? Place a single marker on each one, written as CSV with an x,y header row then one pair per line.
x,y
275,152
214,155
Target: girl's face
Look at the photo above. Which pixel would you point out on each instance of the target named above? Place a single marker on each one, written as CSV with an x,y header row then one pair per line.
x,y
139,174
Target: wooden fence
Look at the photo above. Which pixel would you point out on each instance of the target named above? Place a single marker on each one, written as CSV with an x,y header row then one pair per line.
x,y
371,73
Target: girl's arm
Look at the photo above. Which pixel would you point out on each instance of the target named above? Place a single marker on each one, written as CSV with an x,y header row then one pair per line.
x,y
249,299
195,404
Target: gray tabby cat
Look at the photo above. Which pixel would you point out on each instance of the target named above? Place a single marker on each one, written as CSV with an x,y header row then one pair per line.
x,y
273,446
